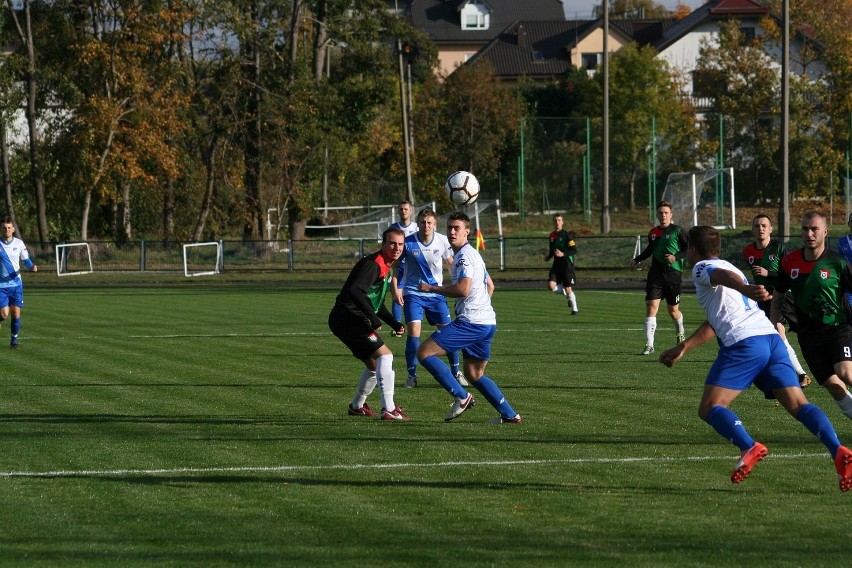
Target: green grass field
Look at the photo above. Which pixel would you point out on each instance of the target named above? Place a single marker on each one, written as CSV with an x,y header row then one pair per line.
x,y
207,426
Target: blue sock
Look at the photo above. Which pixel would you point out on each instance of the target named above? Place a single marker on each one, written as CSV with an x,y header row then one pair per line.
x,y
15,328
396,310
729,426
453,358
411,345
443,375
494,396
817,422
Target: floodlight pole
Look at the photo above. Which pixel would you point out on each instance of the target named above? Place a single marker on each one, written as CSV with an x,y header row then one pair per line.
x,y
605,204
784,214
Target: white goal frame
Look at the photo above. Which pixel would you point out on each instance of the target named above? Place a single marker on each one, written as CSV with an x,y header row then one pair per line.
x,y
61,257
690,203
216,269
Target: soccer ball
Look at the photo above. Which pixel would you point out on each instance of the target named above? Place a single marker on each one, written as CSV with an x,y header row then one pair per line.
x,y
462,188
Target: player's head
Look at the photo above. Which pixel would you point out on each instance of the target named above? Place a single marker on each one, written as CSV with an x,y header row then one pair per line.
x,y
664,213
704,242
814,230
761,227
427,220
8,228
405,209
558,222
458,229
393,241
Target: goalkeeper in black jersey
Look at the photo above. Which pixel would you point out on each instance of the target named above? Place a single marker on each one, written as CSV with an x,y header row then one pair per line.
x,y
561,278
667,249
358,314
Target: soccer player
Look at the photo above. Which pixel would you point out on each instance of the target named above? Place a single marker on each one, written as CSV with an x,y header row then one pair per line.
x,y
409,227
425,254
763,257
357,315
561,278
750,352
819,278
471,331
667,247
13,253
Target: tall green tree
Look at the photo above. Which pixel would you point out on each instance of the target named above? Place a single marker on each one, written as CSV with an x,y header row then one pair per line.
x,y
643,93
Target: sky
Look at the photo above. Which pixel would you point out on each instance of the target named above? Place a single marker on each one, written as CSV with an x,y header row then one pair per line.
x,y
578,9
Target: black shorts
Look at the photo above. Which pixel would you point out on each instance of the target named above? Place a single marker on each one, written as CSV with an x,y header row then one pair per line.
x,y
663,284
562,272
355,332
822,349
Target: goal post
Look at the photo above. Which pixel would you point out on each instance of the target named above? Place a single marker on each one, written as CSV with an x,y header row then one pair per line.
x,y
202,259
73,258
702,197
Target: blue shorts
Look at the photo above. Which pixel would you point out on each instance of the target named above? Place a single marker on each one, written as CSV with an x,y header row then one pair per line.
x,y
761,360
471,339
434,306
12,296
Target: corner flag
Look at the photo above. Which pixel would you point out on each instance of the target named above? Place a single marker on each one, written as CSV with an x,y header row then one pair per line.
x,y
480,242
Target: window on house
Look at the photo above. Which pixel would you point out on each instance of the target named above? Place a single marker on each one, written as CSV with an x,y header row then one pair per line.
x,y
590,61
475,16
748,34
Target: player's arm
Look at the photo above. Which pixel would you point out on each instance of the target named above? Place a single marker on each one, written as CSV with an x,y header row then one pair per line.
x,y
646,253
460,289
358,292
489,285
386,316
699,337
728,279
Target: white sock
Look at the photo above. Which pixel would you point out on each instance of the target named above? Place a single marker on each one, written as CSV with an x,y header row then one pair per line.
x,y
366,384
793,358
572,301
385,378
845,405
679,325
650,329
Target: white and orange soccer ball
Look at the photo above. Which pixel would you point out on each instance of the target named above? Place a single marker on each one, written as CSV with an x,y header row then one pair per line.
x,y
462,188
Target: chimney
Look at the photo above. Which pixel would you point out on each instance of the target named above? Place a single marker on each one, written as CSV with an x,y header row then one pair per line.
x,y
523,40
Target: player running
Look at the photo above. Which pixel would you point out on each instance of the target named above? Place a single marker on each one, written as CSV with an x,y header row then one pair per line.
x,y
13,253
561,278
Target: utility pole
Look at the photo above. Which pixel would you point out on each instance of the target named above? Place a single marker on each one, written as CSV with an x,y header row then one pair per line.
x,y
404,108
605,223
784,214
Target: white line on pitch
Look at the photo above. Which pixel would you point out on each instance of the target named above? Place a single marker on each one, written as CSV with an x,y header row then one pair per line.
x,y
352,467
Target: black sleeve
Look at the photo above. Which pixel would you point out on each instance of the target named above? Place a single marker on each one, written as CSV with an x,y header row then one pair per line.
x,y
387,317
683,244
364,274
647,252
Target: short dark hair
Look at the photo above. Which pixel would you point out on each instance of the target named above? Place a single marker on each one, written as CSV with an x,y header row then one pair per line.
x,y
814,215
404,202
761,216
706,241
664,204
459,216
427,212
390,230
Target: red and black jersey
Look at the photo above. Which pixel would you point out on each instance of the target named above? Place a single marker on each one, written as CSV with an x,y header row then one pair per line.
x,y
818,288
363,293
768,257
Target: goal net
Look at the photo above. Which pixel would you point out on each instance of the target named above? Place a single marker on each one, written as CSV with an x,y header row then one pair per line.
x,y
73,258
702,197
201,259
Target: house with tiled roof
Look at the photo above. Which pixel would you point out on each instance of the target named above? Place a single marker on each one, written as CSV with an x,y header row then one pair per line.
x,y
680,44
460,28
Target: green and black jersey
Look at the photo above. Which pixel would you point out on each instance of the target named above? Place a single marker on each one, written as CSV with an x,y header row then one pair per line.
x,y
818,288
363,293
662,241
768,257
562,241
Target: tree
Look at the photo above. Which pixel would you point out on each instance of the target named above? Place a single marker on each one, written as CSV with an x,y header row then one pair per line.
x,y
642,91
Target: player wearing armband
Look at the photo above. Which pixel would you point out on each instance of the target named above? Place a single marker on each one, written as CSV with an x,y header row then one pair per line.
x,y
13,253
562,278
357,315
